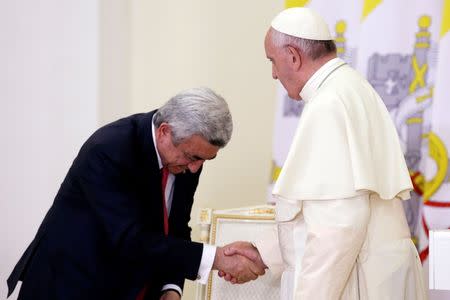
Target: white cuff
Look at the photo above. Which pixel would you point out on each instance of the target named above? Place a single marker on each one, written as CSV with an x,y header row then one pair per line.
x,y
172,287
209,252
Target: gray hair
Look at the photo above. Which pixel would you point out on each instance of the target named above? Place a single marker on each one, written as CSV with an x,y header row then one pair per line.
x,y
197,111
312,48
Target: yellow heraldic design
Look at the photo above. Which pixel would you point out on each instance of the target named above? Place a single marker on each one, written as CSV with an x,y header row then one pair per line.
x,y
445,25
438,153
420,70
369,6
422,98
340,28
419,183
414,121
419,79
276,170
295,3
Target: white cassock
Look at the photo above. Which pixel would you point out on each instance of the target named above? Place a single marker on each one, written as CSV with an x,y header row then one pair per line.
x,y
343,184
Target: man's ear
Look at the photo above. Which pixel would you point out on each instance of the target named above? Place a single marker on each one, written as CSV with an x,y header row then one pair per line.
x,y
295,58
163,129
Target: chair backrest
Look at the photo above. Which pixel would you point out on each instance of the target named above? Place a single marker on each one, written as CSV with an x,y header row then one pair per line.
x,y
244,224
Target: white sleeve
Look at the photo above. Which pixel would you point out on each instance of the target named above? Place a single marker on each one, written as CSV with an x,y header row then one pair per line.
x,y
269,250
270,247
336,230
208,254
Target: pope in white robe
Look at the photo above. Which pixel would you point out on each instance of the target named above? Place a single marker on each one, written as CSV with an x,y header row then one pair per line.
x,y
342,231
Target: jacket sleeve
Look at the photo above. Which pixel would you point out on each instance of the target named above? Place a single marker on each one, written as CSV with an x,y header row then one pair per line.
x,y
336,230
116,206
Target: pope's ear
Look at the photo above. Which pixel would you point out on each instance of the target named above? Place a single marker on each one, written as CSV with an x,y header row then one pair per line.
x,y
295,57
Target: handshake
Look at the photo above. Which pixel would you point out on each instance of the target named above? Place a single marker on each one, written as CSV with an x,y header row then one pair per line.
x,y
239,262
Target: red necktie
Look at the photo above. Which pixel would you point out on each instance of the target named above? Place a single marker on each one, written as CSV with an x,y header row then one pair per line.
x,y
165,175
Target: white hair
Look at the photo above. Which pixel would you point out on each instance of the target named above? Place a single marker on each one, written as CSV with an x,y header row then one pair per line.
x,y
197,111
312,48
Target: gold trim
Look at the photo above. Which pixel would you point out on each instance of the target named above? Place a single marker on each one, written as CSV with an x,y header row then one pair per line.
x,y
205,215
263,211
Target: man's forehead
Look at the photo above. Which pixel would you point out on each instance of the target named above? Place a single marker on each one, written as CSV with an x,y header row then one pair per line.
x,y
198,144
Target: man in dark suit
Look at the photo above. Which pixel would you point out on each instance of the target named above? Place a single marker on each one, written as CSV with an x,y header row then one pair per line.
x,y
118,227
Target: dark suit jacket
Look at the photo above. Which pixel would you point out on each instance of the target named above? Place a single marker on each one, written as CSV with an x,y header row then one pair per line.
x,y
103,237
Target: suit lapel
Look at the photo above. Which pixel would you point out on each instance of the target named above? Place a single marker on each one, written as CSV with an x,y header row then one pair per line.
x,y
151,175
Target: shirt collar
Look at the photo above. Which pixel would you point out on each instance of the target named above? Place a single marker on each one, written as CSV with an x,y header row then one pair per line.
x,y
154,144
316,80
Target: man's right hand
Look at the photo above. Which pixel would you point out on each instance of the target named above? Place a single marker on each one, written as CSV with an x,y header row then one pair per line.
x,y
239,262
238,267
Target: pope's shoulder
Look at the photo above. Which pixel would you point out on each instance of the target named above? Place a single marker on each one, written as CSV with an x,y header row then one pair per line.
x,y
346,85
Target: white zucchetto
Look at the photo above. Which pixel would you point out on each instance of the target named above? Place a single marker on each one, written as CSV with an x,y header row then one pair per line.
x,y
303,23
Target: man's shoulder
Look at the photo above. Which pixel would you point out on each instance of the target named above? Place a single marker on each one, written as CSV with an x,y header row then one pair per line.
x,y
129,122
122,137
121,130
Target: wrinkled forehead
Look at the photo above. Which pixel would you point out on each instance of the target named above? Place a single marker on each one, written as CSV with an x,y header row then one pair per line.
x,y
269,45
268,38
268,35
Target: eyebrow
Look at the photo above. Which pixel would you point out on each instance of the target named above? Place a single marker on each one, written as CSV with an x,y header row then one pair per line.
x,y
201,158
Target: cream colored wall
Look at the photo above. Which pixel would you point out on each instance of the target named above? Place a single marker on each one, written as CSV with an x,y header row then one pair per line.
x,y
114,60
181,44
49,84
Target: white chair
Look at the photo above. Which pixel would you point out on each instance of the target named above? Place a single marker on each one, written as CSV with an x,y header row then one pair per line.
x,y
220,227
